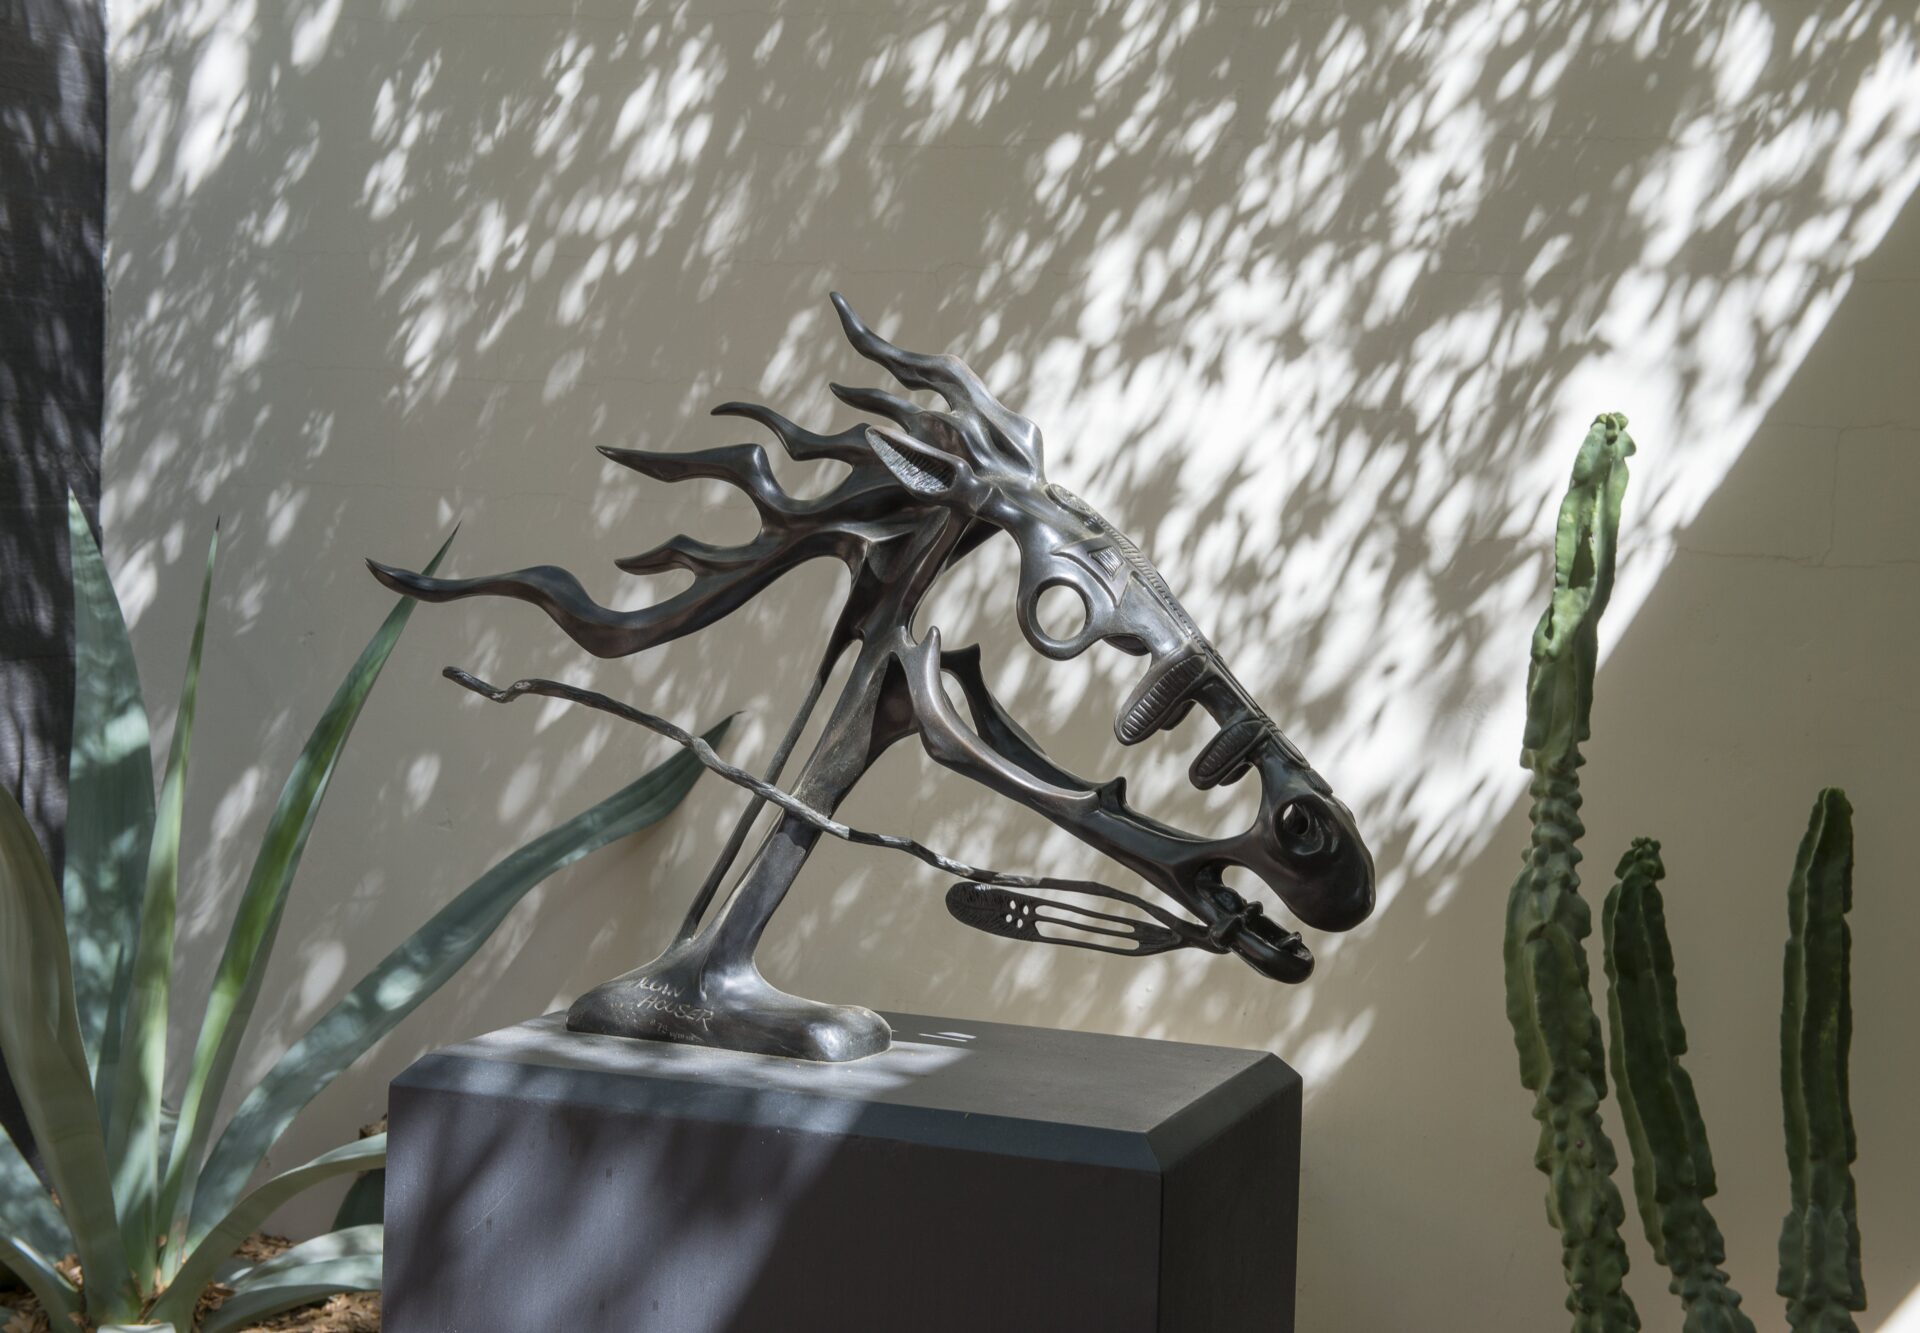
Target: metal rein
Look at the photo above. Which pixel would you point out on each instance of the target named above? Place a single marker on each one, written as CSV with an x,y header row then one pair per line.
x,y
1000,914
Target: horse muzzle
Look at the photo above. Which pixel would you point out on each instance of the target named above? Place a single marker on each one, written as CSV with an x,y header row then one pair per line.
x,y
1304,845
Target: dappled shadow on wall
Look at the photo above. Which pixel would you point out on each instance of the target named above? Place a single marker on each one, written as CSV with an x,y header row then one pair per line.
x,y
1313,304
52,208
52,204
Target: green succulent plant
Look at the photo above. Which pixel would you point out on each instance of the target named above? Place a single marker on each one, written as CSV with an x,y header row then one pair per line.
x,y
1565,1053
151,1201
1549,1000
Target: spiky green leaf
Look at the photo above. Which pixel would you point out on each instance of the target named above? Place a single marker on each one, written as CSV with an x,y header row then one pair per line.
x,y
294,1287
177,1302
339,1243
27,1211
40,1037
243,963
364,1203
109,803
418,967
58,1297
133,1121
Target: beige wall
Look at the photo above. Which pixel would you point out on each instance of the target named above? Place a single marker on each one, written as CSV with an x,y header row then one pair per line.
x,y
1315,302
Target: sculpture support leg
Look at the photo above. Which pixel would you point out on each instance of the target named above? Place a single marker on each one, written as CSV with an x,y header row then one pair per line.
x,y
697,911
707,991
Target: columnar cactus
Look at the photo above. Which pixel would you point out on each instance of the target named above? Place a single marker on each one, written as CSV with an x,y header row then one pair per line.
x,y
1820,1241
1550,1003
1549,999
1672,1164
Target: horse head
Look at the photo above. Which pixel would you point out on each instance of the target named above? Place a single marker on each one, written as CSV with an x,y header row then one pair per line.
x,y
986,463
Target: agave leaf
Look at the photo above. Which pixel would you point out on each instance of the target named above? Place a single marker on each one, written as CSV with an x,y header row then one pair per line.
x,y
59,1297
109,802
133,1122
365,1202
255,1301
417,968
27,1211
340,1243
177,1302
40,1036
243,963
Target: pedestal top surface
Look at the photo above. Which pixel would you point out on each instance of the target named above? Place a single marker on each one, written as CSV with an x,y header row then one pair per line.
x,y
938,1071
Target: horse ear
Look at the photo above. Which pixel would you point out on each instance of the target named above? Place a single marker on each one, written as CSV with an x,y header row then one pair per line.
x,y
930,473
1014,439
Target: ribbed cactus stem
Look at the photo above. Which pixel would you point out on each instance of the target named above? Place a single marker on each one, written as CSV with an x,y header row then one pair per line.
x,y
1672,1165
1820,1241
1549,997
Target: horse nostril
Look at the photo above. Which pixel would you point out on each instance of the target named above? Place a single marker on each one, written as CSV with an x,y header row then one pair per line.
x,y
1302,830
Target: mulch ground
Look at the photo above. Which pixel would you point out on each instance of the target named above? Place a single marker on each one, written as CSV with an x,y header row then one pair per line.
x,y
349,1312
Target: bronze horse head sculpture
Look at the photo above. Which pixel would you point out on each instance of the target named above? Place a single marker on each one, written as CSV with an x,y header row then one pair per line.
x,y
923,491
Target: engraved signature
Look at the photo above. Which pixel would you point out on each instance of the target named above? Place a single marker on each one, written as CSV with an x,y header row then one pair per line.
x,y
672,1008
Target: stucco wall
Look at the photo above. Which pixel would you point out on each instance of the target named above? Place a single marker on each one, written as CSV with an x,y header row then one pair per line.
x,y
1314,303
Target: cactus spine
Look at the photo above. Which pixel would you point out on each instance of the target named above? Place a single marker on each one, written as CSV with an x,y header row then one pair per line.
x,y
1549,997
1820,1240
1672,1164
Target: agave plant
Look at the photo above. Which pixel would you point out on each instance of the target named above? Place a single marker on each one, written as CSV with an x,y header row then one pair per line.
x,y
148,1199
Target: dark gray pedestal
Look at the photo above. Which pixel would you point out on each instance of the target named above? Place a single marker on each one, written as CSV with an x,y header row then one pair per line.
x,y
975,1177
